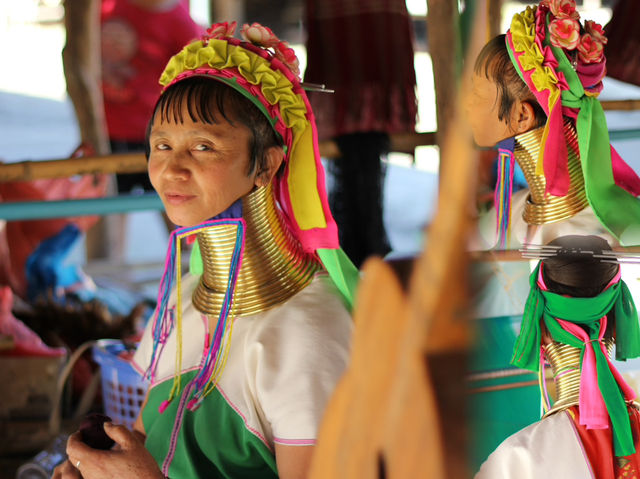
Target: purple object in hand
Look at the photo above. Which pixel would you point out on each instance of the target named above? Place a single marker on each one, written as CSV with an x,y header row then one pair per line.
x,y
92,431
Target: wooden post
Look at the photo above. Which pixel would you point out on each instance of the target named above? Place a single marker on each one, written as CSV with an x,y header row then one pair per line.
x,y
444,47
494,17
81,58
226,11
81,61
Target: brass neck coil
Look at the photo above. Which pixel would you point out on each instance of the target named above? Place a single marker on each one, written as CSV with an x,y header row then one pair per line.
x,y
273,269
542,208
565,365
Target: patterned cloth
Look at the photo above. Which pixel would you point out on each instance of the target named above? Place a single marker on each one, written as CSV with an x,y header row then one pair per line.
x,y
363,50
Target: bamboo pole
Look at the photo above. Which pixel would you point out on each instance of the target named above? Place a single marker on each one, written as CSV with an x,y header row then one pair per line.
x,y
36,170
136,162
621,105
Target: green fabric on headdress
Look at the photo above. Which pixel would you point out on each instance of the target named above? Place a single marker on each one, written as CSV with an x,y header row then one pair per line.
x,y
587,312
616,208
343,273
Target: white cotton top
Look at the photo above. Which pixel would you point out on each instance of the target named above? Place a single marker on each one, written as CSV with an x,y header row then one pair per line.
x,y
283,363
548,449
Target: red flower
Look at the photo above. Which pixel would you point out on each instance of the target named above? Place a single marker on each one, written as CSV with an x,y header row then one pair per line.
x,y
220,30
259,35
565,33
564,9
596,31
288,56
590,50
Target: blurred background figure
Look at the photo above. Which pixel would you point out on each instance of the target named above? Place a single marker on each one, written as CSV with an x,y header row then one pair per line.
x,y
138,37
363,51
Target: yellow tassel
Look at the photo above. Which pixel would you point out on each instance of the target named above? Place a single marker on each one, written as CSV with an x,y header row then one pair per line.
x,y
553,102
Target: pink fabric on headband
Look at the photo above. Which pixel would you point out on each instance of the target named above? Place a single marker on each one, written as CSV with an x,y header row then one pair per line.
x,y
540,280
591,75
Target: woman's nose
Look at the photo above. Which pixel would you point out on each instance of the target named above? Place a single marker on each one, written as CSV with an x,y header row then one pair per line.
x,y
177,167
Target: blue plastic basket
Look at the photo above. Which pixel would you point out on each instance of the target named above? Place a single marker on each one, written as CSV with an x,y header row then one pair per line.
x,y
123,389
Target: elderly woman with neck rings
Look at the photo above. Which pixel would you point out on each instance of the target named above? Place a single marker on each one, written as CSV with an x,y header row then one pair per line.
x,y
245,351
534,95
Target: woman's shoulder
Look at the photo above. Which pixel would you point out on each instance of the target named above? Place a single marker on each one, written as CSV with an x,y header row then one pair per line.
x,y
318,298
550,447
315,313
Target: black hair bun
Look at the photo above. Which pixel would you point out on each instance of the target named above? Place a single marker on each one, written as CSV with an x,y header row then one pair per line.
x,y
574,270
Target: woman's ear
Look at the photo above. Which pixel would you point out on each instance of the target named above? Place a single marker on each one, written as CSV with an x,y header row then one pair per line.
x,y
523,117
273,159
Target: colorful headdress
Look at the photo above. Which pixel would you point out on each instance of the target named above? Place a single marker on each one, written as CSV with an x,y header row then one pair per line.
x,y
265,70
563,64
581,323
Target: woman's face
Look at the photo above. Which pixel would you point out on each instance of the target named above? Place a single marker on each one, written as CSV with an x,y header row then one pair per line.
x,y
199,169
482,106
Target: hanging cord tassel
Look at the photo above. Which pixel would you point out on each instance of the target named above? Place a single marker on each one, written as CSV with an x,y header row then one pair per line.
x,y
165,318
502,196
218,351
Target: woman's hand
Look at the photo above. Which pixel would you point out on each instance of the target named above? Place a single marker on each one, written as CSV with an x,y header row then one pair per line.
x,y
129,459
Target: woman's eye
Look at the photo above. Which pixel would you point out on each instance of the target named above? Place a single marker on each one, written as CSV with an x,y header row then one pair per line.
x,y
162,146
203,147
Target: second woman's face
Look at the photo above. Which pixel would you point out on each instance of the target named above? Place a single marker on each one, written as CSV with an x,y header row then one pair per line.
x,y
199,169
482,106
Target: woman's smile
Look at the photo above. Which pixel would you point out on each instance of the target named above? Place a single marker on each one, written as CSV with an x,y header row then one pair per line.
x,y
177,198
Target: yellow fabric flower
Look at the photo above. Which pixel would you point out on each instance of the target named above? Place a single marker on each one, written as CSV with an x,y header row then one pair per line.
x,y
219,54
523,29
531,58
544,79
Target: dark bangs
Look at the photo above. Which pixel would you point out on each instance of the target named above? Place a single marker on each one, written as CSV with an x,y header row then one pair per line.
x,y
207,99
204,98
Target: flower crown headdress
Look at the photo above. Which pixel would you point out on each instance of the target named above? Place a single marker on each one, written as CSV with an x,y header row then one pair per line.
x,y
563,64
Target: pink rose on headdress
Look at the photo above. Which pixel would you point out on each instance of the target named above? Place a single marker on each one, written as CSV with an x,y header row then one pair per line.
x,y
596,31
590,50
564,9
259,35
288,56
221,30
565,33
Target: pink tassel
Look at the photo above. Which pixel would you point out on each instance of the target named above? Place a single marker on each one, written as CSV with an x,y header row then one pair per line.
x,y
163,406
